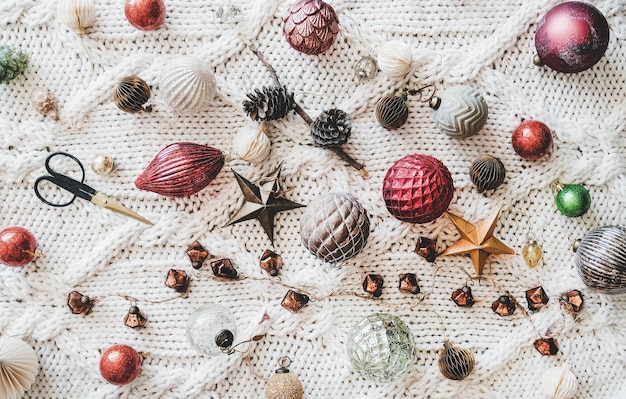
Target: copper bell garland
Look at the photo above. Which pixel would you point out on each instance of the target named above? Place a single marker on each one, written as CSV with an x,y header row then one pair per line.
x,y
537,298
408,284
426,248
572,300
373,284
294,301
79,303
135,318
197,254
177,280
283,384
504,306
181,169
223,268
547,346
311,26
463,297
271,262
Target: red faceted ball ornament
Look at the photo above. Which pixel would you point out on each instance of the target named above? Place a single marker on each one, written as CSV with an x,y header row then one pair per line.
x,y
145,14
311,26
531,140
418,189
18,246
120,364
571,37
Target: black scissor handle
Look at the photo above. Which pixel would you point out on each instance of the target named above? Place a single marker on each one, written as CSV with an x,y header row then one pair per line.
x,y
65,154
78,188
51,179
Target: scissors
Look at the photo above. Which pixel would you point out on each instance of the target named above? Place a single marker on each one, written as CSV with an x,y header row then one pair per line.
x,y
80,189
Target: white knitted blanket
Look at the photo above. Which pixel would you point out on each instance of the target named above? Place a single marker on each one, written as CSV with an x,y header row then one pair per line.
x,y
486,44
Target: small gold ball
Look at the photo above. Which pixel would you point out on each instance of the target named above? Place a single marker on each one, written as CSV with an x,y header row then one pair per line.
x,y
538,61
103,165
284,386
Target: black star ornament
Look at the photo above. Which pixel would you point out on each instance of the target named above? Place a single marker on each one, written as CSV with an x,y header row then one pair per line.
x,y
263,201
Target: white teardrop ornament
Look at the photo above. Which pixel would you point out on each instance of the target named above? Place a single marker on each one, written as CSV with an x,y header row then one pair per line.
x,y
76,14
559,382
188,85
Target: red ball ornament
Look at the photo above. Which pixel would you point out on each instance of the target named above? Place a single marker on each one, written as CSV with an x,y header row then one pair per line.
x,y
18,246
145,14
311,26
418,189
532,139
571,37
120,364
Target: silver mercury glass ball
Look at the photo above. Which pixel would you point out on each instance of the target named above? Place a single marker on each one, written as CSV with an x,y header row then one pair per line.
x,y
366,68
381,348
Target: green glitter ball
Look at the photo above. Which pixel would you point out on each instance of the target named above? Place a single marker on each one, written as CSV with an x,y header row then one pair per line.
x,y
573,200
12,63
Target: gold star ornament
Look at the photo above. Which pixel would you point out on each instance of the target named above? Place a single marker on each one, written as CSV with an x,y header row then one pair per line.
x,y
477,240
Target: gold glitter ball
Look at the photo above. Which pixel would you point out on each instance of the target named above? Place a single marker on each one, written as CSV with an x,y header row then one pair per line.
x,y
103,165
283,385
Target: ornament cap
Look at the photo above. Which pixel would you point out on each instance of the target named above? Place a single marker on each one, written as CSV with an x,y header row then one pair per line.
x,y
434,102
224,339
283,362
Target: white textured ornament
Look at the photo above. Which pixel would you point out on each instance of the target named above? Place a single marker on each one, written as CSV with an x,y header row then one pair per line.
x,y
45,103
252,143
18,367
459,111
395,58
188,85
76,14
559,382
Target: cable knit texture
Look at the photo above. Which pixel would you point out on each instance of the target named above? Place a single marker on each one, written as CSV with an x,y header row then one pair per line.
x,y
485,44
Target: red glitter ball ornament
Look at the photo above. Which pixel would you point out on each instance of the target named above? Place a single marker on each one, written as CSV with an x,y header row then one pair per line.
x,y
531,140
145,14
120,364
418,189
311,26
571,37
18,246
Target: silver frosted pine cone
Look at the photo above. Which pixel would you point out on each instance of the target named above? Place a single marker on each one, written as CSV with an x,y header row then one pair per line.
x,y
332,128
269,103
334,227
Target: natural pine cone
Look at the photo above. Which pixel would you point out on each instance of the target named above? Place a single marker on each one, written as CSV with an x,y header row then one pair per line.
x,y
269,104
311,26
332,128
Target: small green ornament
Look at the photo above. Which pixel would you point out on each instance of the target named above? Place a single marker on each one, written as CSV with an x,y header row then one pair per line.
x,y
572,200
12,63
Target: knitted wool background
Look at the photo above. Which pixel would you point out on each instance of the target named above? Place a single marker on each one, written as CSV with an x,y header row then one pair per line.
x,y
485,44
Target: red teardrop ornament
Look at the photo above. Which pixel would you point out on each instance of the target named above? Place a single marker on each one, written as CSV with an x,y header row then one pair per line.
x,y
418,189
18,246
181,170
145,14
120,364
311,26
572,37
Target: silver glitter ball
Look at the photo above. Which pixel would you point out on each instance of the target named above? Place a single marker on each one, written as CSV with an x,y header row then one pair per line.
x,y
366,68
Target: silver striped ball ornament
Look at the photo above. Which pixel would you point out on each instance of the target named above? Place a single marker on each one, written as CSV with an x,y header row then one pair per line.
x,y
391,112
455,362
459,111
601,260
334,227
487,173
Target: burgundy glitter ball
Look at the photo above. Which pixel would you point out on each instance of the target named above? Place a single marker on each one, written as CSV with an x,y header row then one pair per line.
x,y
572,37
418,189
145,14
120,364
531,140
17,246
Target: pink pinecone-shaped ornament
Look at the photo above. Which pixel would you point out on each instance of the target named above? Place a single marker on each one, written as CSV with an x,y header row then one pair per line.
x,y
311,26
418,189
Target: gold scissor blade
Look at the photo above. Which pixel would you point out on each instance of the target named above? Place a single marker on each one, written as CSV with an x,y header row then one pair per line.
x,y
112,205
